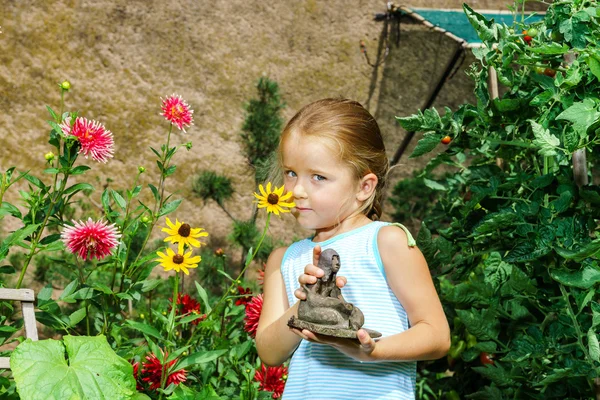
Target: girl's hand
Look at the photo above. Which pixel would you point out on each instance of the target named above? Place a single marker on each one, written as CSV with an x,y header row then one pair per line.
x,y
312,272
361,349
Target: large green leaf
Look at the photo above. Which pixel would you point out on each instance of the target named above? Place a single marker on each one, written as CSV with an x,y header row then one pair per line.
x,y
429,141
584,279
92,371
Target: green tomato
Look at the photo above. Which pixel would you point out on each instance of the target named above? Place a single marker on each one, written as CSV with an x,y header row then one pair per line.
x,y
452,395
532,32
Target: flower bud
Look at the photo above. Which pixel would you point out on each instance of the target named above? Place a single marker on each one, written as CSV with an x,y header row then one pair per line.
x,y
141,169
65,85
145,219
219,252
49,156
188,145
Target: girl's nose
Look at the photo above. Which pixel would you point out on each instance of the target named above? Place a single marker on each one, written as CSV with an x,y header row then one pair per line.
x,y
298,191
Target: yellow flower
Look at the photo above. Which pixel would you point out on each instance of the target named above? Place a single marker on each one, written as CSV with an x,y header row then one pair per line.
x,y
274,201
183,234
177,262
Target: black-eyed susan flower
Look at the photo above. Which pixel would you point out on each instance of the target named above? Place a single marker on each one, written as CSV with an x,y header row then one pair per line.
x,y
177,262
274,201
183,234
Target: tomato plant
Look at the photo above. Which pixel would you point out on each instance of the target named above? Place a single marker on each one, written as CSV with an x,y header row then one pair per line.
x,y
517,264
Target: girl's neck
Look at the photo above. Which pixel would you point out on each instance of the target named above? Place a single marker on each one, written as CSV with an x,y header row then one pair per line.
x,y
348,224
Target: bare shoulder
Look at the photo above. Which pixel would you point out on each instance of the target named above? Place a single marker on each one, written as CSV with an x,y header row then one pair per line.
x,y
275,258
392,236
394,245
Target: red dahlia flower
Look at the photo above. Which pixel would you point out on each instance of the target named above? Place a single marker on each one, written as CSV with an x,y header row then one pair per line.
x,y
90,239
177,111
242,301
188,305
253,309
94,138
136,367
271,379
152,370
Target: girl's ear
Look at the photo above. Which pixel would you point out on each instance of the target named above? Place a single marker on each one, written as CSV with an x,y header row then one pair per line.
x,y
368,183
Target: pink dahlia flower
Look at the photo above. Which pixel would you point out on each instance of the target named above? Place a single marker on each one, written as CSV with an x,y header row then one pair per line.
x,y
91,239
94,138
177,111
253,310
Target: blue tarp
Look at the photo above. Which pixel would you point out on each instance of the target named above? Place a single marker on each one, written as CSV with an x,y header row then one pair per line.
x,y
456,22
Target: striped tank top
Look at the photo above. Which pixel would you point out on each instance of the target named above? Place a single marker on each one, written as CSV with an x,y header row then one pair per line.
x,y
320,372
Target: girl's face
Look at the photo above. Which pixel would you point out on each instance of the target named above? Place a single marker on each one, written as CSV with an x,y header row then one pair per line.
x,y
324,189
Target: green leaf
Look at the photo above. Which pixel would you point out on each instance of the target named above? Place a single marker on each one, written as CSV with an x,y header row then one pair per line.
x,y
496,374
434,185
169,207
582,114
50,239
496,221
481,323
203,297
198,358
593,345
92,371
594,65
80,169
505,105
583,279
144,328
77,187
77,316
427,143
589,250
69,290
551,48
35,181
52,114
544,140
154,191
486,30
16,238
150,284
118,199
557,375
413,123
8,209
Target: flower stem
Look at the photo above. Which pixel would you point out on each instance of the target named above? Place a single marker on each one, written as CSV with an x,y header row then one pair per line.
x,y
248,262
38,237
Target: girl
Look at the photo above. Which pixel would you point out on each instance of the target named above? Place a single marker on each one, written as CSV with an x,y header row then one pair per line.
x,y
333,160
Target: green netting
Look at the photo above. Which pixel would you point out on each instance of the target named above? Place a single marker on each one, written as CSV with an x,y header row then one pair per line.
x,y
456,22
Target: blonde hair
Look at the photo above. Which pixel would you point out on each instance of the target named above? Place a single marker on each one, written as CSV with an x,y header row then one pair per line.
x,y
351,128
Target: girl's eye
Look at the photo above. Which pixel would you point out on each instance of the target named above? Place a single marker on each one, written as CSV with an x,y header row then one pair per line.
x,y
290,174
319,177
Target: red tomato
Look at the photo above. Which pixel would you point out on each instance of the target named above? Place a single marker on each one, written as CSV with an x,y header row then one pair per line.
x,y
446,139
550,72
486,358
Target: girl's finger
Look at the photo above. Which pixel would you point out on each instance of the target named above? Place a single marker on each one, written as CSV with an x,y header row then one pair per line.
x,y
341,281
367,344
300,294
306,279
316,254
